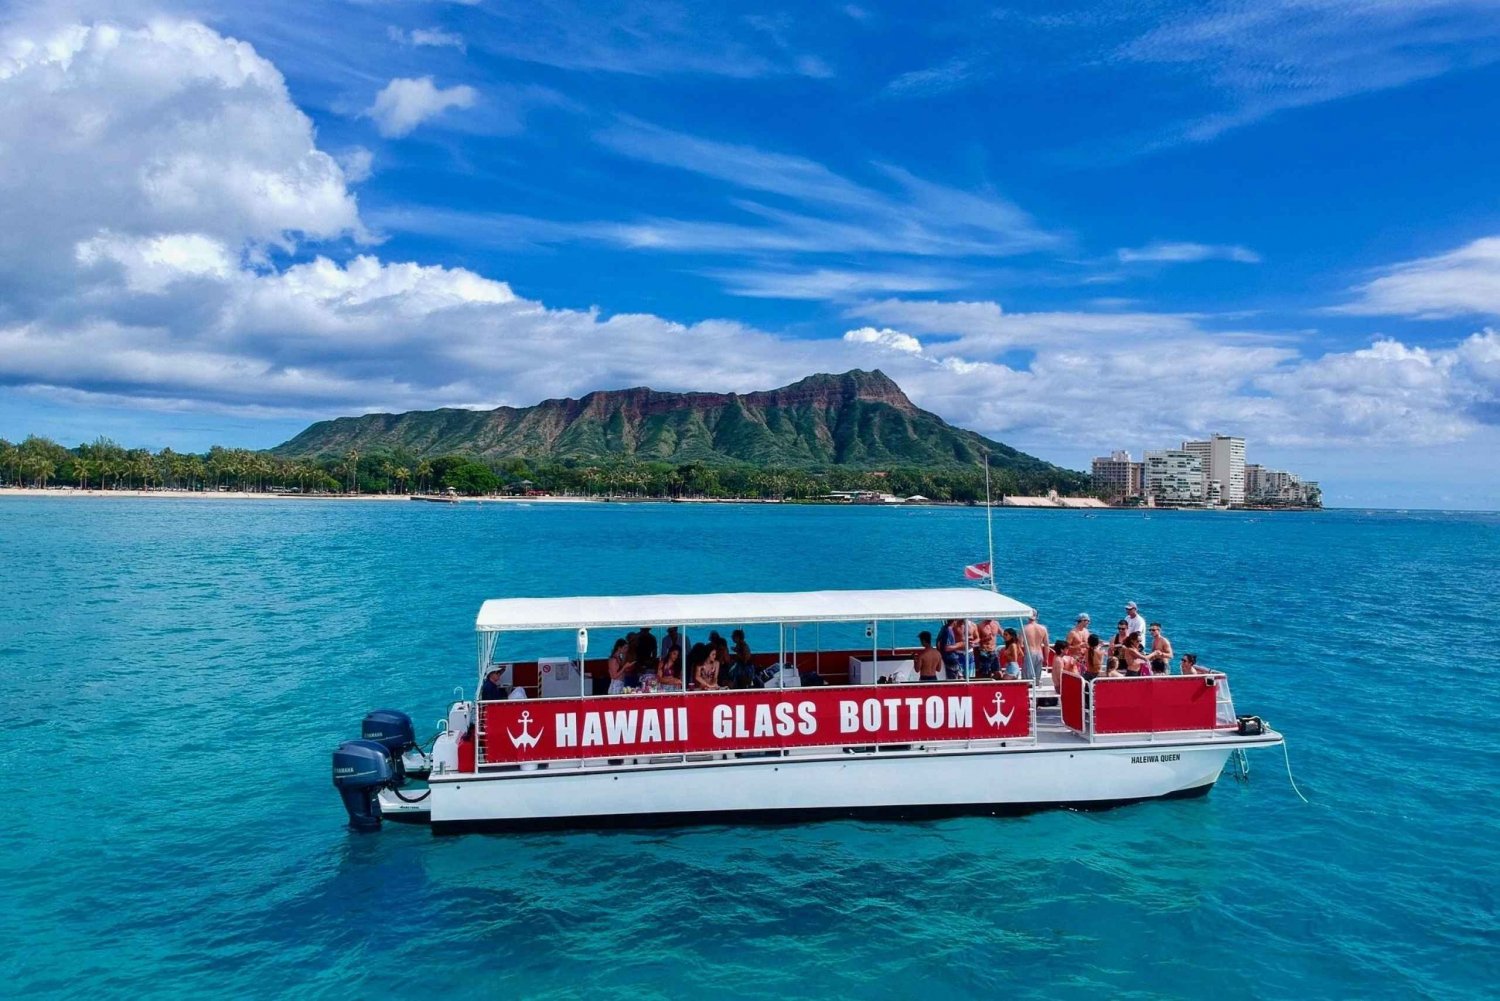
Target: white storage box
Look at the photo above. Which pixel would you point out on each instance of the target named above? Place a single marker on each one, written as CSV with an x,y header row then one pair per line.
x,y
868,672
558,678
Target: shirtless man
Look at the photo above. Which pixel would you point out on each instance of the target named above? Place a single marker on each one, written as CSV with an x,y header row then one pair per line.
x,y
1190,665
1036,640
1078,637
929,662
1062,661
986,652
1161,650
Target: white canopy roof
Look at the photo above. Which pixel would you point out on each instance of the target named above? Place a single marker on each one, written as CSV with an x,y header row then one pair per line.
x,y
745,608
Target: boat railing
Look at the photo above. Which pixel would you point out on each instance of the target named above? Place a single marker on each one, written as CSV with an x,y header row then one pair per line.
x,y
680,727
1145,706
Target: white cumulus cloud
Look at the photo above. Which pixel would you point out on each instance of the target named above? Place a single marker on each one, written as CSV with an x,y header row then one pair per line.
x,y
168,135
884,337
405,103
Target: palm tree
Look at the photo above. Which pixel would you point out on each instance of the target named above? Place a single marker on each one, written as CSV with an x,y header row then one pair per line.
x,y
424,475
401,474
351,466
9,456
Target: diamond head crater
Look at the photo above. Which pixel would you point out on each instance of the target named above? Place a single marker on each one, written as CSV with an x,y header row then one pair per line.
x,y
852,434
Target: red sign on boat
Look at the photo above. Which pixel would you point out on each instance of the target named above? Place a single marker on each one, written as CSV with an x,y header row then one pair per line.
x,y
707,722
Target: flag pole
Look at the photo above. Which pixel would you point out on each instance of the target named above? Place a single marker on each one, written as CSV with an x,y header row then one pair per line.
x,y
989,521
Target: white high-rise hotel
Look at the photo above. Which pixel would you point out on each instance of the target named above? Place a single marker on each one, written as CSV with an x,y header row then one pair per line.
x,y
1223,461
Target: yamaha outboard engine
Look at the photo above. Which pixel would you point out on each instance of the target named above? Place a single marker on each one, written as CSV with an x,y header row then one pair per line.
x,y
392,730
361,768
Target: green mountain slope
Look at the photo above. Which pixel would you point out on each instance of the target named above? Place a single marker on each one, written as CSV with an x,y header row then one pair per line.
x,y
857,419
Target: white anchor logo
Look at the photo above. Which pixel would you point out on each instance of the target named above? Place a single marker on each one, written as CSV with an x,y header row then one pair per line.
x,y
999,717
527,739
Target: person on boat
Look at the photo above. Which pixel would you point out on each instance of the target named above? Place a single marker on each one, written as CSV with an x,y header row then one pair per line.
x,y
1161,650
1117,641
986,648
1062,661
1037,642
1133,659
616,667
672,640
721,646
492,690
1133,619
950,644
1078,637
1012,656
703,662
669,671
645,650
1094,663
929,662
632,662
1189,665
741,667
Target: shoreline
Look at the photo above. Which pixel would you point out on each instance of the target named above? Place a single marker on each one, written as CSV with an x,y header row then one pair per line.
x,y
73,493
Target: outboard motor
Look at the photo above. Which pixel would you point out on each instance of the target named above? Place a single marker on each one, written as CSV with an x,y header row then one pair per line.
x,y
361,768
392,730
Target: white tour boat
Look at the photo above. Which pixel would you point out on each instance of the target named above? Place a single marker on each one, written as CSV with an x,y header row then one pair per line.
x,y
840,732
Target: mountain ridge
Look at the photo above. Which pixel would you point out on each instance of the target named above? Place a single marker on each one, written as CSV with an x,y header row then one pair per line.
x,y
855,419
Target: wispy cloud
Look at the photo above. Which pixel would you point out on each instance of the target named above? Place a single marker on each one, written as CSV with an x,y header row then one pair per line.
x,y
1275,55
825,211
831,284
1462,282
1186,253
435,38
956,72
653,38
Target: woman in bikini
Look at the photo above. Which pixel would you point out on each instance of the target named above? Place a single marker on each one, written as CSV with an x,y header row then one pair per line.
x,y
704,663
667,673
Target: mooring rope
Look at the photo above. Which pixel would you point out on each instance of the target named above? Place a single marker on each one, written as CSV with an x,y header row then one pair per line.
x,y
1288,758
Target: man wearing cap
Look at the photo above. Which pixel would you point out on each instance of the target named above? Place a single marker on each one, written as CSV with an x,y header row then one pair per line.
x,y
1134,621
492,690
1078,638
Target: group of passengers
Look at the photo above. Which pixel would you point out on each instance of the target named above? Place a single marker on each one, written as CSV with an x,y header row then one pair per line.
x,y
982,649
962,649
638,663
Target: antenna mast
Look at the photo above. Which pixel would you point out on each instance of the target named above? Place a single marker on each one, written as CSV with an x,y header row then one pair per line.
x,y
989,521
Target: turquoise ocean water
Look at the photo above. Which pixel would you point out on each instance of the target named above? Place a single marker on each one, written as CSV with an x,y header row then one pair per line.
x,y
175,674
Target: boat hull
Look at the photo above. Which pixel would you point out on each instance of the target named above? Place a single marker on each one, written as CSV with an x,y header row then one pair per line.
x,y
896,785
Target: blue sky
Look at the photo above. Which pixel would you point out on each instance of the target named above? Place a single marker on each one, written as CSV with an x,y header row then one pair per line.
x,y
1073,227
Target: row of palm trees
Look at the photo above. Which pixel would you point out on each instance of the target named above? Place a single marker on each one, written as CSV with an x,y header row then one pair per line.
x,y
106,465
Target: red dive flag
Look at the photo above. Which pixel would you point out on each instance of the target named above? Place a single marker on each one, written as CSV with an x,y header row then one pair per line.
x,y
977,571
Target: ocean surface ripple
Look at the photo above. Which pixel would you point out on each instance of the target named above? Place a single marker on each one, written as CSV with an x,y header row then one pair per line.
x,y
177,672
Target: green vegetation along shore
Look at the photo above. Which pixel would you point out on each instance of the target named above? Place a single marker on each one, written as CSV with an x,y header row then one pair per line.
x,y
105,465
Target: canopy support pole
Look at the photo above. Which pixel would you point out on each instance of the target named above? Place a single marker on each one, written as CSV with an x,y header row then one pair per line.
x,y
781,655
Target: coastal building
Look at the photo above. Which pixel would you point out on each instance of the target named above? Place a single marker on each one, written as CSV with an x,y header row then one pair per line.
x,y
1222,458
1116,476
1174,476
1212,472
1253,473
